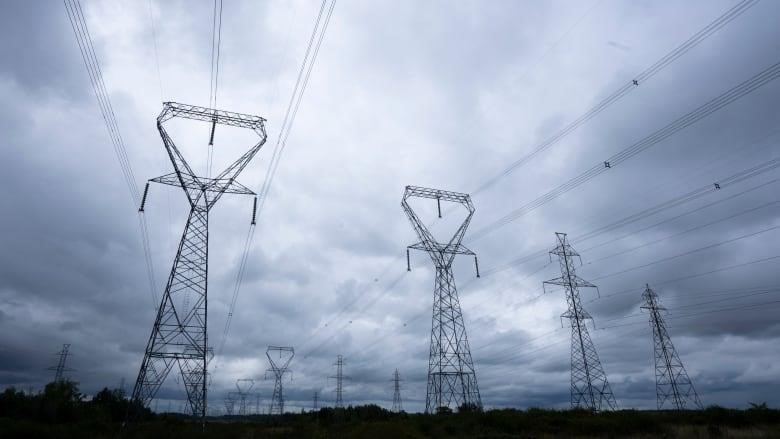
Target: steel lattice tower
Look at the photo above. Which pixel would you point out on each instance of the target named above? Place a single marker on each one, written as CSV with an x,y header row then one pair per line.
x,y
60,369
278,369
589,386
179,335
397,407
230,403
244,385
452,379
671,380
339,381
316,402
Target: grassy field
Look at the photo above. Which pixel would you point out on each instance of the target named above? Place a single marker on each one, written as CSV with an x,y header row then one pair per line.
x,y
60,411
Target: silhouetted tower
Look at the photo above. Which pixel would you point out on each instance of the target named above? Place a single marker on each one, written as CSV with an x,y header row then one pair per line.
x,y
179,334
672,383
589,386
244,385
316,402
397,407
278,368
230,403
60,368
452,379
339,381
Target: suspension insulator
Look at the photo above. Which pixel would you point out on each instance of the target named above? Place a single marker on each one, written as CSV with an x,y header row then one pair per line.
x,y
213,128
408,265
254,211
476,264
143,199
438,203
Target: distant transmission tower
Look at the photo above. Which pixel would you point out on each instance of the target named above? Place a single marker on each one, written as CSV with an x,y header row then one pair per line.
x,y
230,403
339,381
671,380
60,368
589,386
179,335
278,369
244,385
316,404
397,407
452,380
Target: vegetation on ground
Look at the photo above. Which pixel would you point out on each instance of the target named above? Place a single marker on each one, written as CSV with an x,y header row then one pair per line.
x,y
61,411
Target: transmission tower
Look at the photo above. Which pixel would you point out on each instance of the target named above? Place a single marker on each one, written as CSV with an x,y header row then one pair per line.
x,y
397,407
60,368
244,385
671,380
316,404
339,381
278,369
452,379
589,386
179,334
230,403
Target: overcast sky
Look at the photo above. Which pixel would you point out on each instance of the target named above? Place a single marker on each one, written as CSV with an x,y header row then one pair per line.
x,y
437,94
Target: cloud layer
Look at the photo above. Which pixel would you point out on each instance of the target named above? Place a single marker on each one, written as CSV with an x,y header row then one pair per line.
x,y
438,94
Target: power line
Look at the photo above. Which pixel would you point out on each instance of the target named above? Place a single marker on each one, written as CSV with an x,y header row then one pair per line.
x,y
156,56
690,196
718,185
86,48
689,252
748,86
761,305
626,88
692,229
295,99
686,213
679,200
216,44
731,297
318,34
644,76
691,276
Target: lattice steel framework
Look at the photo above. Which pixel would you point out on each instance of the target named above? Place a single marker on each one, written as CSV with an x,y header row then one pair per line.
x,y
397,406
244,385
452,379
339,381
60,368
230,403
672,384
589,386
278,370
316,402
179,335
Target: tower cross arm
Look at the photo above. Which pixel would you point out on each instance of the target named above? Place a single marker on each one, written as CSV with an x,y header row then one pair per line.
x,y
455,249
426,238
229,187
580,313
573,280
438,194
187,181
214,185
229,118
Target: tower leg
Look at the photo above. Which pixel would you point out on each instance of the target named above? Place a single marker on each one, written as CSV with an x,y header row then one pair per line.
x,y
589,386
452,380
179,334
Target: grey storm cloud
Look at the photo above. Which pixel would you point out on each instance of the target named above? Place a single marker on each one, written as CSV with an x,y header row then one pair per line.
x,y
431,94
